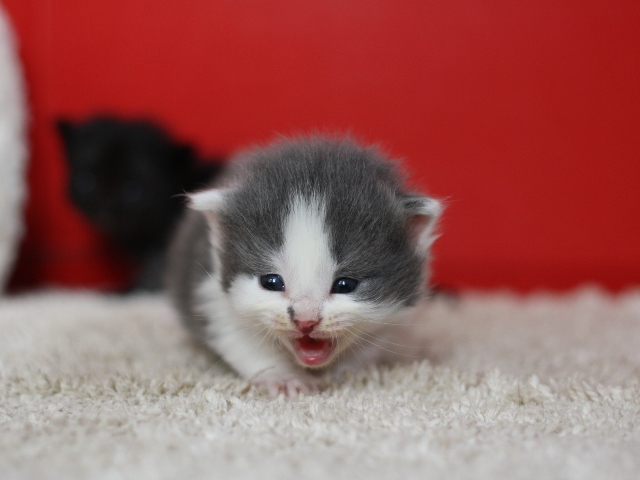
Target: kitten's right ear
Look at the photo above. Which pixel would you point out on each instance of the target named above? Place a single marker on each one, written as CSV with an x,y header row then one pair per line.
x,y
65,129
209,202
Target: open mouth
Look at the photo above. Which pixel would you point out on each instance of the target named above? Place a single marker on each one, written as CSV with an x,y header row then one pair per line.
x,y
313,351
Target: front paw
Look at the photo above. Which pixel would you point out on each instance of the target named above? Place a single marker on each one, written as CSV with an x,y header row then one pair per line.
x,y
291,385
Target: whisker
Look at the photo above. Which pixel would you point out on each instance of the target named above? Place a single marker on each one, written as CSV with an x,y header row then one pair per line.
x,y
386,349
206,271
265,336
363,320
239,329
216,364
356,355
278,344
382,339
221,359
247,327
258,332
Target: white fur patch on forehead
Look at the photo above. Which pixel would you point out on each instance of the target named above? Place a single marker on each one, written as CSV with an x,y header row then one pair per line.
x,y
305,258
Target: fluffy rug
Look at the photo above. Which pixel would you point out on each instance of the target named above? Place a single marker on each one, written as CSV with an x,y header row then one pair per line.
x,y
542,387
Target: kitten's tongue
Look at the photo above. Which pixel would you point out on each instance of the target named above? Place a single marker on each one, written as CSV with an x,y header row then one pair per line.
x,y
313,351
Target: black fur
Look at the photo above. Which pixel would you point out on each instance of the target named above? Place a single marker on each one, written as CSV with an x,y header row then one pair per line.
x,y
124,176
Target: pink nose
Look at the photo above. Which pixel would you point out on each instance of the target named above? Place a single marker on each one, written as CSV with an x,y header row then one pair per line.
x,y
305,326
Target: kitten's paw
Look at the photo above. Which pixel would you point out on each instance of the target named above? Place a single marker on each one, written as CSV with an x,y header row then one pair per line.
x,y
290,384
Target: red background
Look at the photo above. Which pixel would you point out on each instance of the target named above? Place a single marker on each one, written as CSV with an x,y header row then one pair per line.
x,y
524,115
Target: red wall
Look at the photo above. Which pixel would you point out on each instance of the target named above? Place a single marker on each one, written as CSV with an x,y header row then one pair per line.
x,y
524,115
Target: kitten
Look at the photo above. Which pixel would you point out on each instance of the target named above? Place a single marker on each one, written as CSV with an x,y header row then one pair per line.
x,y
309,256
124,177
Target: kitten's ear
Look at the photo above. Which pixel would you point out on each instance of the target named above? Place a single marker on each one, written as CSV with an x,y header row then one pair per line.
x,y
65,129
422,214
209,202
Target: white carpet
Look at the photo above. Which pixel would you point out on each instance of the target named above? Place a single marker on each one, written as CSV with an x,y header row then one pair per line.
x,y
105,387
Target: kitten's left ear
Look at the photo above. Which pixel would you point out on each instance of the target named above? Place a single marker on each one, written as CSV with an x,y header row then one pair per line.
x,y
422,214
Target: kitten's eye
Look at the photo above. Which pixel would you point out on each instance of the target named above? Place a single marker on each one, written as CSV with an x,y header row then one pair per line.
x,y
344,285
273,282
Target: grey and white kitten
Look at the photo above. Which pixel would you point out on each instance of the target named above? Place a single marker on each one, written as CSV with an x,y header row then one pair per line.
x,y
309,256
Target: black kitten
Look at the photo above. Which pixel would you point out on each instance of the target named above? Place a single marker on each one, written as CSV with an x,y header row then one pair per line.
x,y
124,177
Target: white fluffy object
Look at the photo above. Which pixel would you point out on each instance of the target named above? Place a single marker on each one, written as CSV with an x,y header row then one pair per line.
x,y
13,148
110,388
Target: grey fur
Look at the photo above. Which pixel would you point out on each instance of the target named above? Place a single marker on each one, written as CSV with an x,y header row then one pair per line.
x,y
368,212
189,263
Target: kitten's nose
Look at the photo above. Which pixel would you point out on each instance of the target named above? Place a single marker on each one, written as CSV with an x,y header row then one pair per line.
x,y
305,326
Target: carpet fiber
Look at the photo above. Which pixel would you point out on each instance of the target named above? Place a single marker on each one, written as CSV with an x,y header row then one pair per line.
x,y
94,386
